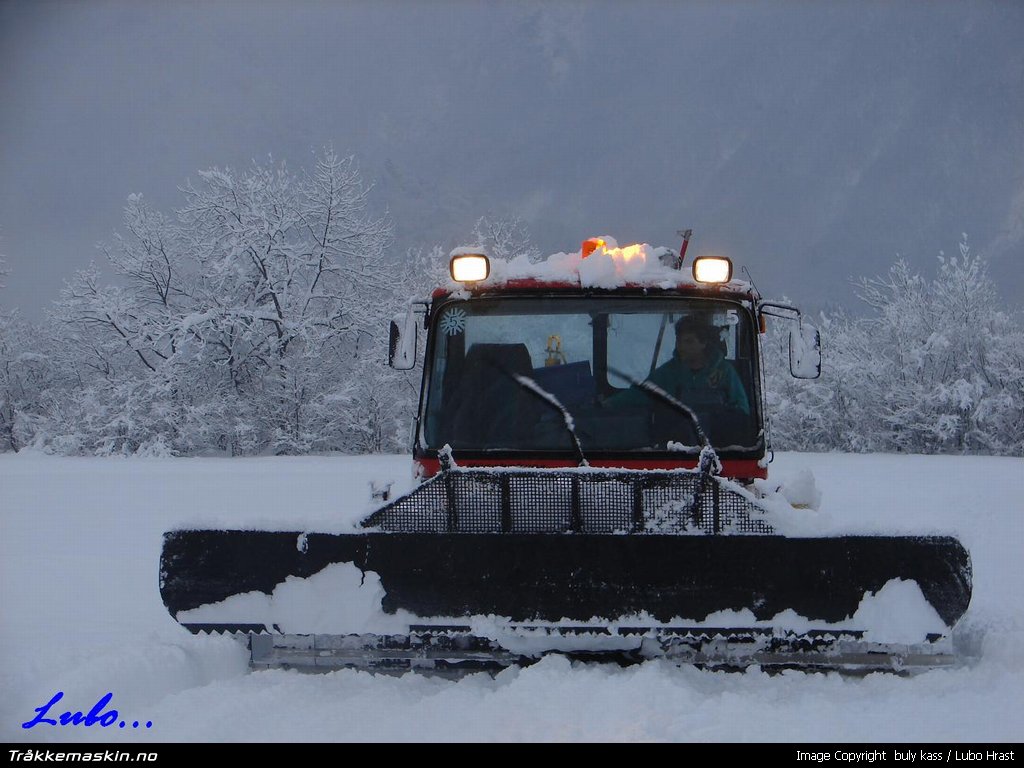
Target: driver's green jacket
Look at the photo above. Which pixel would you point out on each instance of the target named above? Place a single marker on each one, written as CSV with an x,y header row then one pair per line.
x,y
717,381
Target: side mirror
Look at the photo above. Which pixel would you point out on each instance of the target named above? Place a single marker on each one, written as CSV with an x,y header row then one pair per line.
x,y
402,342
805,351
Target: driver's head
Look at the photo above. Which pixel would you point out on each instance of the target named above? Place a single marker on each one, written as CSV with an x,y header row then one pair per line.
x,y
696,338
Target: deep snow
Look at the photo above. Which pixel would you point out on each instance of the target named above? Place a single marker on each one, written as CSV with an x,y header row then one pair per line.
x,y
80,613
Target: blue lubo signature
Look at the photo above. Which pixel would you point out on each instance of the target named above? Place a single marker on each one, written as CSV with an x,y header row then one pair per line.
x,y
95,716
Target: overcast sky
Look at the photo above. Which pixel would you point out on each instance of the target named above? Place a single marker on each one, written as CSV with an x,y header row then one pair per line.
x,y
812,142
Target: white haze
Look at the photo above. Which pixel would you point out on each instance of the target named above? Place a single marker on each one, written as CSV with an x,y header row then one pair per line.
x,y
812,142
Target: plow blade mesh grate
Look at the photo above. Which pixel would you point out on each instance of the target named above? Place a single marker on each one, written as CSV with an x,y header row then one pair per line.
x,y
482,501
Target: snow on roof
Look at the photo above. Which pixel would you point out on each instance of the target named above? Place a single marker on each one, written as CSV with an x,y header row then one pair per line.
x,y
609,266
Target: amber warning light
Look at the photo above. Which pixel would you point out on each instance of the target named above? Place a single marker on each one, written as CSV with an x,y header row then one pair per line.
x,y
591,245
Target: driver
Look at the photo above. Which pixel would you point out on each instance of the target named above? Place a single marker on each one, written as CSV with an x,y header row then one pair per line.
x,y
697,373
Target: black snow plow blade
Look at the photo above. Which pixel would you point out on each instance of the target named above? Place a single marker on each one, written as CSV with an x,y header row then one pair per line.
x,y
531,577
565,548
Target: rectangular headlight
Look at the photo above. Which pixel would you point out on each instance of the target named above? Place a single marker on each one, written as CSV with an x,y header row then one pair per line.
x,y
469,267
712,269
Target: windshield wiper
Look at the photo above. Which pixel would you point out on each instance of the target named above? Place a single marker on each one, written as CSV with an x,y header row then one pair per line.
x,y
708,462
536,389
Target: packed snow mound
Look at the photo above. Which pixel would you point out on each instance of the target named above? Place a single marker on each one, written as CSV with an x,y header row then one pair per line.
x,y
801,490
340,599
898,613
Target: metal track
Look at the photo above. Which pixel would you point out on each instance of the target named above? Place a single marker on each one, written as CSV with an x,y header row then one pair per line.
x,y
454,651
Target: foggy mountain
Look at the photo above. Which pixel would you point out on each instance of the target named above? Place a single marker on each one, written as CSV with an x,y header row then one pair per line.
x,y
812,143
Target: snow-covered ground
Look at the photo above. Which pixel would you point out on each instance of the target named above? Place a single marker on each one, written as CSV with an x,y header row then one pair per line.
x,y
80,613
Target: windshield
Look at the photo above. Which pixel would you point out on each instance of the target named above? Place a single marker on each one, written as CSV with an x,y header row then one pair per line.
x,y
581,353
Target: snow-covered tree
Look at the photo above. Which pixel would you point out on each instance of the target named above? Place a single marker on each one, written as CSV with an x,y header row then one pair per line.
x,y
240,319
24,372
948,376
936,366
505,238
7,398
254,317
